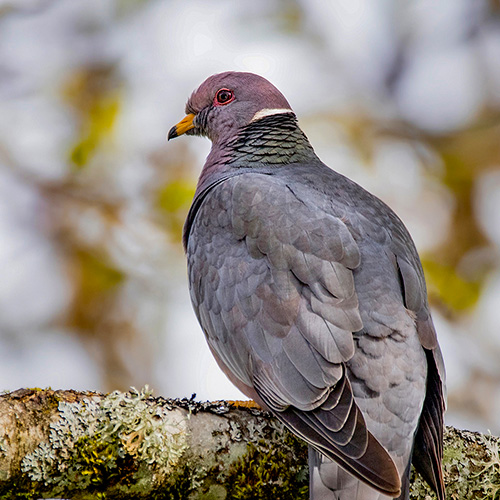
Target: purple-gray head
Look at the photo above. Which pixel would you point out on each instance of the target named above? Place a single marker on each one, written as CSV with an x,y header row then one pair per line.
x,y
226,102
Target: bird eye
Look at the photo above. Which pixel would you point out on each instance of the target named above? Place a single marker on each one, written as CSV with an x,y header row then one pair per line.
x,y
224,96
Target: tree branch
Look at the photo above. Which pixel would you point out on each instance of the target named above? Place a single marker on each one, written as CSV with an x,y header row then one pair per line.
x,y
67,444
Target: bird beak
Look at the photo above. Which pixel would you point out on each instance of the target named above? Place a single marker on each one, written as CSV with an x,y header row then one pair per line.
x,y
182,127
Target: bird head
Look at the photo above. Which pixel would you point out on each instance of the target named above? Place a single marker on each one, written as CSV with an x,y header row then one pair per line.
x,y
226,102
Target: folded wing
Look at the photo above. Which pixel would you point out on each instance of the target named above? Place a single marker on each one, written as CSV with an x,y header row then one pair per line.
x,y
279,307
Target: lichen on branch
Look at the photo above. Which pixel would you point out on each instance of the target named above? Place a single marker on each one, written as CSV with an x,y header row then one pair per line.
x,y
67,444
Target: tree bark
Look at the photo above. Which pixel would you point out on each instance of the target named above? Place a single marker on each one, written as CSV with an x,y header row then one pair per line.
x,y
79,445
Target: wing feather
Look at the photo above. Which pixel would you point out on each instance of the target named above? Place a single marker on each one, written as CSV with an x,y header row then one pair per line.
x,y
279,308
428,447
283,312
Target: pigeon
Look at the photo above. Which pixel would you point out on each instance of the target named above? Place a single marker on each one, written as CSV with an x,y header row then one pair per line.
x,y
311,296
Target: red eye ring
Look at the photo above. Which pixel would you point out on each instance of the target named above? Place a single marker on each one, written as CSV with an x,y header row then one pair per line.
x,y
223,96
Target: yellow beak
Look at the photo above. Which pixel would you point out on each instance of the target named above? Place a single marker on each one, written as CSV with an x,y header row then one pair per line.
x,y
182,127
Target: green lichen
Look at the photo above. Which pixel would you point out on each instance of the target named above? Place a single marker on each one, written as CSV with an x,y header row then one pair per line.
x,y
471,467
490,469
95,442
4,474
181,488
132,446
247,465
267,472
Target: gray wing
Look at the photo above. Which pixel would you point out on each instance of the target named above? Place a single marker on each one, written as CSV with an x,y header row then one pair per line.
x,y
428,447
272,284
428,443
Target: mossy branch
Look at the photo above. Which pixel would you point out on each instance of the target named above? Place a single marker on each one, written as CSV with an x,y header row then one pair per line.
x,y
67,444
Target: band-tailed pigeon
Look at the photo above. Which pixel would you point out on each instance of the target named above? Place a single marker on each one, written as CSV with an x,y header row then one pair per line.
x,y
312,297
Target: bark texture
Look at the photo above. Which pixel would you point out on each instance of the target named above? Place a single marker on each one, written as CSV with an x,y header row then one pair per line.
x,y
79,445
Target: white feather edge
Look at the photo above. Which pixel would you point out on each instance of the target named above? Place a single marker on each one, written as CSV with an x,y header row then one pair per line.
x,y
268,112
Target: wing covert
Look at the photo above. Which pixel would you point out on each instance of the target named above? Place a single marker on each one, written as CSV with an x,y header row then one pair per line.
x,y
280,309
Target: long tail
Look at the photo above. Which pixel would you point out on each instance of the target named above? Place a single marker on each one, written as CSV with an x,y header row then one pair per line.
x,y
328,481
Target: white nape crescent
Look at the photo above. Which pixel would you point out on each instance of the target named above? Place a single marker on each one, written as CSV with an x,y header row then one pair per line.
x,y
268,112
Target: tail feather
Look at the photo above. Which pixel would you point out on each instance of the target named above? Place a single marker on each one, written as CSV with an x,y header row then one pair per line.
x,y
375,466
328,481
428,452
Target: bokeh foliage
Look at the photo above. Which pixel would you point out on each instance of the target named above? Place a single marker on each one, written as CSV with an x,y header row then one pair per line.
x,y
113,212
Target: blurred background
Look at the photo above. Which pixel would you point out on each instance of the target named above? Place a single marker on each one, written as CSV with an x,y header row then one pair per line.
x,y
403,97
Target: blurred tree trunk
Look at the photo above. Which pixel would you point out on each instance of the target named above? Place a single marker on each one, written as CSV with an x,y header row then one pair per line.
x,y
67,444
